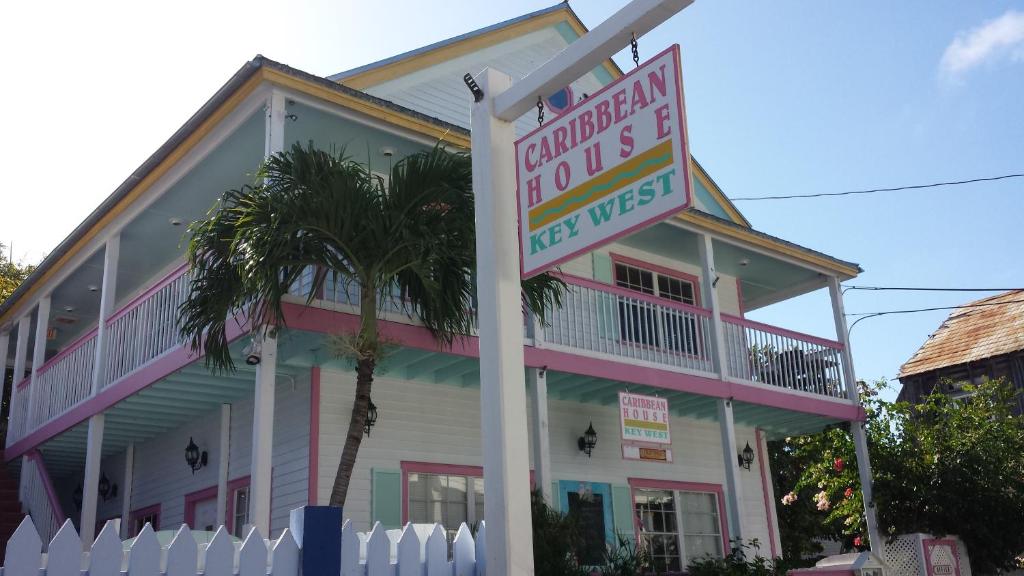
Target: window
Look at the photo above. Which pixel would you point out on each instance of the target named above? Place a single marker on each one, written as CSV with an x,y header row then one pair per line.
x,y
644,323
140,517
677,527
240,514
447,499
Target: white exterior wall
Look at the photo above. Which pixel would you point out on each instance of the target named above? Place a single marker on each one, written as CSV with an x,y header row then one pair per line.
x,y
440,424
162,477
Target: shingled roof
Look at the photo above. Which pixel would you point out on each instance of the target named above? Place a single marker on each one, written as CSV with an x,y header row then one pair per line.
x,y
985,328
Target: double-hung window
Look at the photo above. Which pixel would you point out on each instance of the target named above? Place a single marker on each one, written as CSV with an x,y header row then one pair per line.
x,y
240,511
677,527
446,499
643,322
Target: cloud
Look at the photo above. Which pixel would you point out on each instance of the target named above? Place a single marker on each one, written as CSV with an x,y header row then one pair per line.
x,y
991,40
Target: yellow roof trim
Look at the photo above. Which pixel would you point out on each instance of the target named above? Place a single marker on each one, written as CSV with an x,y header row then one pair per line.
x,y
374,76
752,238
718,195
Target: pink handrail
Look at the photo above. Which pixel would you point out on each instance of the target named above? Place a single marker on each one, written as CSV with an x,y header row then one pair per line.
x,y
618,291
74,345
51,494
782,331
138,300
24,382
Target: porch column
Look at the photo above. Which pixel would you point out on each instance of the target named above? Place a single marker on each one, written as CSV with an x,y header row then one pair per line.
x,y
38,359
91,482
111,255
538,380
733,490
20,350
126,489
5,343
222,466
263,437
709,293
860,441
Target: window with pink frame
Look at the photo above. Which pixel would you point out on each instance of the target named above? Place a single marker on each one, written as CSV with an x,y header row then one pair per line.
x,y
642,323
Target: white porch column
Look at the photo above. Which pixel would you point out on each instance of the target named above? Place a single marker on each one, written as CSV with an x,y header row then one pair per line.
x,y
709,293
222,466
38,358
5,344
91,482
502,383
108,294
263,437
126,490
733,489
21,348
860,441
538,381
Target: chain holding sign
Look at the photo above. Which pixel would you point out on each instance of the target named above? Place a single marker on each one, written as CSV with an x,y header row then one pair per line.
x,y
609,165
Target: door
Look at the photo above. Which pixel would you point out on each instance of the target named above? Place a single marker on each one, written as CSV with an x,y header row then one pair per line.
x,y
592,503
205,515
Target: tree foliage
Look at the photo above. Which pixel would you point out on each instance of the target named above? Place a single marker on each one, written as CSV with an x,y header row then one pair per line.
x,y
946,466
12,274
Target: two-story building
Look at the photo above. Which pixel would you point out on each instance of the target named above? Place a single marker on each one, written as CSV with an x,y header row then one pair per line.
x,y
112,418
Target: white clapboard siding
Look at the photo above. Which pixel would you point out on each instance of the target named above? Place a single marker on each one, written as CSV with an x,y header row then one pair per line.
x,y
416,550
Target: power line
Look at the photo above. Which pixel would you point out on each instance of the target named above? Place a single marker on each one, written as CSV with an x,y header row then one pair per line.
x,y
929,289
874,190
866,315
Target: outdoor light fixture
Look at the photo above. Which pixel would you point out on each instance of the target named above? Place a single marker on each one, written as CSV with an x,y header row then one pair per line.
x,y
746,458
371,417
193,457
107,490
76,497
588,440
253,353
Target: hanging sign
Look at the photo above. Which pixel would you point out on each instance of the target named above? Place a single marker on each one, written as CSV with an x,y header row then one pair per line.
x,y
644,419
613,163
633,452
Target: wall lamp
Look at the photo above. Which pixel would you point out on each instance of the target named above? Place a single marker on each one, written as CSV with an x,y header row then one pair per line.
x,y
195,458
746,458
107,490
371,417
588,440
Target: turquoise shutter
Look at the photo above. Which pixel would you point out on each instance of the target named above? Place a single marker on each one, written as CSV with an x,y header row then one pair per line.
x,y
555,503
608,305
622,511
386,498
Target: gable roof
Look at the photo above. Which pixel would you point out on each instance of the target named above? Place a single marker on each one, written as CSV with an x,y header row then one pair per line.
x,y
388,68
992,327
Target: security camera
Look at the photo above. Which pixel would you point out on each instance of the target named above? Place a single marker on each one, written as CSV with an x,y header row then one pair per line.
x,y
253,354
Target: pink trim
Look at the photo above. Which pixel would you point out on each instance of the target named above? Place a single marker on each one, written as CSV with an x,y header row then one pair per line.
x,y
767,492
929,543
716,489
142,378
782,331
410,467
51,494
24,382
815,572
626,293
134,302
68,349
684,149
144,511
193,498
314,434
662,270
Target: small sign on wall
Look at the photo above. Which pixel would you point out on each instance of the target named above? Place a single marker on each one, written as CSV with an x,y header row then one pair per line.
x,y
644,419
633,452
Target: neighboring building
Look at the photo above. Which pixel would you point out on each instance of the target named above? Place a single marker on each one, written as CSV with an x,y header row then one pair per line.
x,y
114,400
983,340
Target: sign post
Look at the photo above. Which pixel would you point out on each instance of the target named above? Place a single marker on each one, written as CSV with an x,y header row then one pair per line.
x,y
502,379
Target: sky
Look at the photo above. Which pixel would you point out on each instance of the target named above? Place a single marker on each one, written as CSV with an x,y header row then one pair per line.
x,y
782,97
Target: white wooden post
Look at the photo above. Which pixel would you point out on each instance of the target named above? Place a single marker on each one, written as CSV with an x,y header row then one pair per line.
x,y
263,436
20,351
733,488
709,293
860,441
91,482
108,295
38,358
502,382
538,380
5,343
126,489
222,467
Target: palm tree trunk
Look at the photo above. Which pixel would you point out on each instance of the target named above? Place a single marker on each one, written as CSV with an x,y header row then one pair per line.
x,y
364,380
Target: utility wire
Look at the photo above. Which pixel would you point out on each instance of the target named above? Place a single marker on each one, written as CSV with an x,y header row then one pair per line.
x,y
929,289
866,315
874,190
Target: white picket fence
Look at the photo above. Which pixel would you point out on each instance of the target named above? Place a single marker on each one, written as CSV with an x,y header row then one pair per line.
x,y
416,550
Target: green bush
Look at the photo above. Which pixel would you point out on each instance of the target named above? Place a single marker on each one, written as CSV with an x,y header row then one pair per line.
x,y
557,541
743,560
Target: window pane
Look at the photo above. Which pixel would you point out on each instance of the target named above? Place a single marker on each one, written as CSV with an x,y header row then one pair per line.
x,y
656,510
478,494
702,534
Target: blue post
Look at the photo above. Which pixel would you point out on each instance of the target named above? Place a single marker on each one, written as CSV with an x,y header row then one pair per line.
x,y
317,529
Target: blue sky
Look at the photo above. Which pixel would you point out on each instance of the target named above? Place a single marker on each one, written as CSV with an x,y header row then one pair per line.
x,y
783,97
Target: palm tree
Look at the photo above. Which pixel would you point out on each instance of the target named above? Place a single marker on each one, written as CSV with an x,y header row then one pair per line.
x,y
413,234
